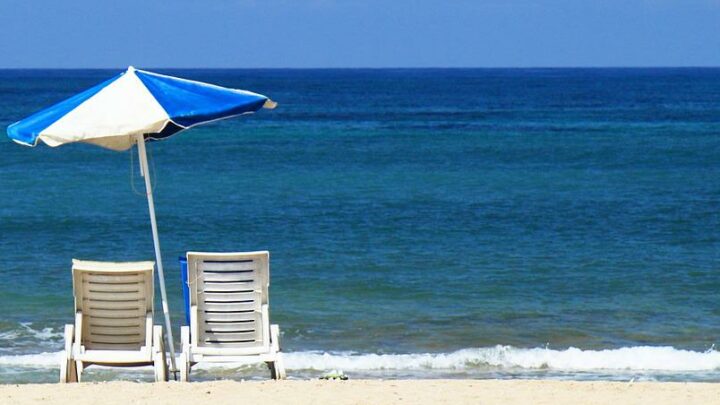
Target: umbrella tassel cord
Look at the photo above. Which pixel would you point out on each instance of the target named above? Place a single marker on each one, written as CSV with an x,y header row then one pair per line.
x,y
150,169
132,175
153,173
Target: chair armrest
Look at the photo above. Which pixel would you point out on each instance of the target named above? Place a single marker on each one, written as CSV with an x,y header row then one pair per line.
x,y
194,325
266,324
185,336
275,338
149,330
78,329
158,344
69,337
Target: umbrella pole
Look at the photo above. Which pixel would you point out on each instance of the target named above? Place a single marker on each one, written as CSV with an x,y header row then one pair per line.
x,y
156,241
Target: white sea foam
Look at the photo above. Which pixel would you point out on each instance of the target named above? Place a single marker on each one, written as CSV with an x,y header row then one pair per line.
x,y
25,330
39,360
42,334
572,359
9,335
640,358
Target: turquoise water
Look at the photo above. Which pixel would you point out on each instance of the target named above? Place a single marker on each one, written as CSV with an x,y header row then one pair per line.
x,y
533,223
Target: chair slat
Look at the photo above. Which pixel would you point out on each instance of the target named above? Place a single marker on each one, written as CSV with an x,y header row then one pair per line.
x,y
127,337
230,296
117,329
113,346
229,327
133,295
122,287
228,266
229,317
233,306
230,338
121,278
95,322
227,277
117,313
214,287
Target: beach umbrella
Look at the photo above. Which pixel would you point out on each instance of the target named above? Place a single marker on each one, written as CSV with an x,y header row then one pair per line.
x,y
132,108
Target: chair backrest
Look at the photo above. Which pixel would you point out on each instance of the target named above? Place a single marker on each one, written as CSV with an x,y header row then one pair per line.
x,y
229,290
114,299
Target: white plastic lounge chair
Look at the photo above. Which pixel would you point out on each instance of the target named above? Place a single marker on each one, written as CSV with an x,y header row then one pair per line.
x,y
113,319
229,317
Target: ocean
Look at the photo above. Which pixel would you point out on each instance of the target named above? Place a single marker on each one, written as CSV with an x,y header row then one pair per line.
x,y
422,223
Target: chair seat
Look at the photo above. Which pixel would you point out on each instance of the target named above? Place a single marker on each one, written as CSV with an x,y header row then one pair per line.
x,y
218,351
228,358
118,357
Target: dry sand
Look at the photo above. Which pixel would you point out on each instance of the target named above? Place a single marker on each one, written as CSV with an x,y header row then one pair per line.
x,y
371,392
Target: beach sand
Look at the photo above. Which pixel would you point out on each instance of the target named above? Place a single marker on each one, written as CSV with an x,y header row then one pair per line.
x,y
373,392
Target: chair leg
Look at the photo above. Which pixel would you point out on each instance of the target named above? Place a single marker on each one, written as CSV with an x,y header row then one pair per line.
x,y
185,357
280,368
73,375
184,368
277,368
68,371
161,372
63,370
78,370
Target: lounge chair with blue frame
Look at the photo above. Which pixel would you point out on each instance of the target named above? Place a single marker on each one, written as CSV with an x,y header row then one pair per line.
x,y
229,312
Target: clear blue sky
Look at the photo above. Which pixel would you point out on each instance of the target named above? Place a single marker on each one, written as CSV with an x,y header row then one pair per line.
x,y
358,33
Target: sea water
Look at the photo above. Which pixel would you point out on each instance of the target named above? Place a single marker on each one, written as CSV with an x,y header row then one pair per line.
x,y
479,223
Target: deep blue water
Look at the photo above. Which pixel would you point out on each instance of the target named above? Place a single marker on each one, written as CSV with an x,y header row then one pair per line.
x,y
430,213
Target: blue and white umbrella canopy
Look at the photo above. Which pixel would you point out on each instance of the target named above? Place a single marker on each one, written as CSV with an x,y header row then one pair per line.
x,y
135,102
129,109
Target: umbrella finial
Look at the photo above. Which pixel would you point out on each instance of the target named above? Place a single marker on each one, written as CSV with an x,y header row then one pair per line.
x,y
131,69
269,104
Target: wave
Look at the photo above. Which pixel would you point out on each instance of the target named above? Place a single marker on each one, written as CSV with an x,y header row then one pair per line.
x,y
638,358
572,359
25,331
39,360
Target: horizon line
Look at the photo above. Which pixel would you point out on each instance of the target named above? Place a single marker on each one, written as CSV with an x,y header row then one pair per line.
x,y
377,68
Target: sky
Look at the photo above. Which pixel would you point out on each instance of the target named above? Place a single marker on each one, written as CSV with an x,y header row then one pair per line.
x,y
358,33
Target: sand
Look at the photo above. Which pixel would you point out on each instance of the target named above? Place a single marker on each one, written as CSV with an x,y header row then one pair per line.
x,y
375,392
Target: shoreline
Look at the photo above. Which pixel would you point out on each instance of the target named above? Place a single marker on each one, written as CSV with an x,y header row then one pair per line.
x,y
366,392
642,363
